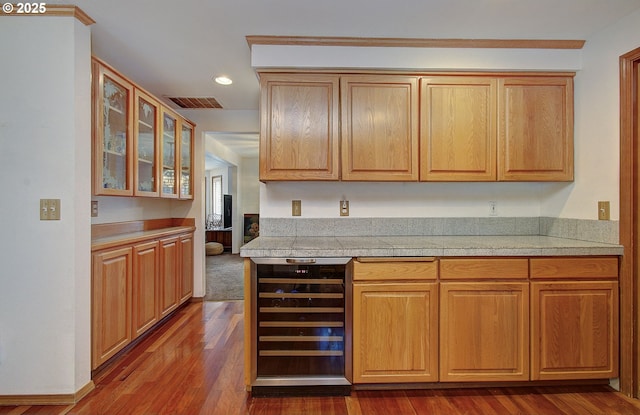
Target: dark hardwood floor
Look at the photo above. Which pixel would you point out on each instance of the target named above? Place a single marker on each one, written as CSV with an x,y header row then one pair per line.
x,y
194,365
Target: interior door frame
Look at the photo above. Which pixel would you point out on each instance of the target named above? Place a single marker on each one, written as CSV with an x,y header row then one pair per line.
x,y
629,221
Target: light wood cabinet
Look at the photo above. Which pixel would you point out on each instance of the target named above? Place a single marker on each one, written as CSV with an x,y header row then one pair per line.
x,y
169,275
395,324
535,128
484,331
145,287
449,127
140,147
299,127
458,128
395,332
111,303
186,267
112,132
137,280
379,122
574,318
186,160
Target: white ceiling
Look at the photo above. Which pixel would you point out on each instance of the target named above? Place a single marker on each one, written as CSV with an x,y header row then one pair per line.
x,y
175,48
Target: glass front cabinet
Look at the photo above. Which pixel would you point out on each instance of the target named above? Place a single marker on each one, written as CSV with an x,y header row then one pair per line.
x,y
113,121
141,148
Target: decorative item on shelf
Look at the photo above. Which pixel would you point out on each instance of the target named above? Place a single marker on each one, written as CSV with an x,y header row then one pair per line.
x,y
168,181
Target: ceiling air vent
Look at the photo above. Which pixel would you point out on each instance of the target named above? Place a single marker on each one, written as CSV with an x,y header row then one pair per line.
x,y
196,103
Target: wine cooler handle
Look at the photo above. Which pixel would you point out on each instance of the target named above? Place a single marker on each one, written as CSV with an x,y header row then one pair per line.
x,y
301,261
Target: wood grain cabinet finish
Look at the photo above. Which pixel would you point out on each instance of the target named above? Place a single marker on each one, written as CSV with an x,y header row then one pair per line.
x,y
458,128
395,332
145,287
574,318
140,147
379,119
136,285
574,330
111,307
484,331
395,322
186,267
535,128
112,121
299,127
169,275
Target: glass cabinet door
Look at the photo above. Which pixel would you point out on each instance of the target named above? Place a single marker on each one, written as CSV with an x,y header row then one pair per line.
x,y
113,126
146,143
168,143
186,166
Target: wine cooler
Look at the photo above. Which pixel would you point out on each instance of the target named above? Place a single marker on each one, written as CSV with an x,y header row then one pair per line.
x,y
302,336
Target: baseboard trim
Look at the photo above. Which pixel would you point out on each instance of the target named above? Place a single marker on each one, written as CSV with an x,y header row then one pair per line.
x,y
63,399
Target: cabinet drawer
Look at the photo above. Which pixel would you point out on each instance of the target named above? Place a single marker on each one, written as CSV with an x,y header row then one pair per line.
x,y
385,269
572,267
484,268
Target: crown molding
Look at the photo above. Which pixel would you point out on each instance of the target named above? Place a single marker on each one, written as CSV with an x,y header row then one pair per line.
x,y
414,42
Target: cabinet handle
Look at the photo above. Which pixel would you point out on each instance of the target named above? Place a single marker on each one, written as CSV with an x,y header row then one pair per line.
x,y
301,261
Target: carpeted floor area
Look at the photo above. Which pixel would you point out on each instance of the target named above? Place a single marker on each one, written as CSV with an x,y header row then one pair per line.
x,y
224,277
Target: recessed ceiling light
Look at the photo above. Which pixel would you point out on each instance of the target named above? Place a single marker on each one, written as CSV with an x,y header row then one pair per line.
x,y
223,80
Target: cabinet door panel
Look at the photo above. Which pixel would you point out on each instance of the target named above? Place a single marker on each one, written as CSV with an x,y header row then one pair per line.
x,y
536,129
574,330
113,127
379,128
186,160
168,153
146,144
484,331
145,287
111,321
186,267
458,129
299,127
169,277
395,331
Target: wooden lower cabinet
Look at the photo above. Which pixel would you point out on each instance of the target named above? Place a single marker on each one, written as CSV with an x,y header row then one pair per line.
x,y
111,316
145,287
169,275
574,330
134,286
395,332
186,268
484,331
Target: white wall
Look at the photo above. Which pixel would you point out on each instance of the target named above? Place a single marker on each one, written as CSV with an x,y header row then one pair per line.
x,y
45,152
597,125
596,134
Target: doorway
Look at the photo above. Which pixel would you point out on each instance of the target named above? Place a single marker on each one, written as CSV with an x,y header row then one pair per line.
x,y
629,222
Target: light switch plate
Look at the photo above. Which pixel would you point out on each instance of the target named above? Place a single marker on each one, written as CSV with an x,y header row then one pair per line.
x,y
49,209
604,212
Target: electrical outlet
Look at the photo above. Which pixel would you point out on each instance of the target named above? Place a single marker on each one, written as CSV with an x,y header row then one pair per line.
x,y
604,210
296,208
94,208
493,208
344,208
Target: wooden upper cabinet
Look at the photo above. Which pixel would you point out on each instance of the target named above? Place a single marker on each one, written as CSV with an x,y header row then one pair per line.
x,y
379,127
299,127
458,121
535,128
146,144
112,132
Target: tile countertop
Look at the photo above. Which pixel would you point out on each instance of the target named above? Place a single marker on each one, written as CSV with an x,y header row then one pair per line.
x,y
440,246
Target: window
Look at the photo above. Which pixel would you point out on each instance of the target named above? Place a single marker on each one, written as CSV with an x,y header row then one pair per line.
x,y
216,194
